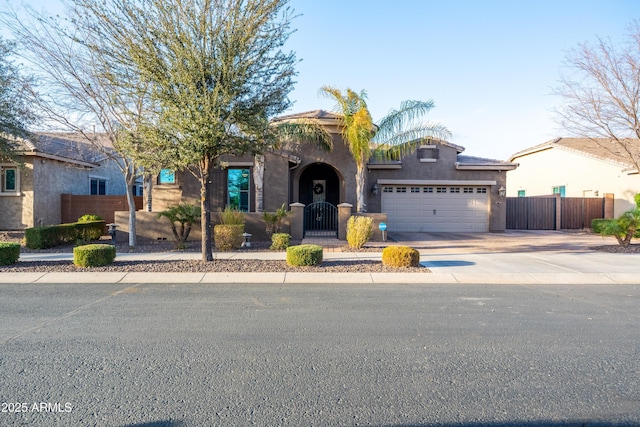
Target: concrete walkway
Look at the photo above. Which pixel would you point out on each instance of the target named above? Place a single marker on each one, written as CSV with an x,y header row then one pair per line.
x,y
527,258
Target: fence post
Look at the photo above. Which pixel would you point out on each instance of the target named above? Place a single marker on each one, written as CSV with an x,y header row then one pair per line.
x,y
344,212
297,221
609,204
558,212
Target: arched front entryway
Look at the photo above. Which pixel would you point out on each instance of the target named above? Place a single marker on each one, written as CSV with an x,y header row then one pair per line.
x,y
319,182
319,190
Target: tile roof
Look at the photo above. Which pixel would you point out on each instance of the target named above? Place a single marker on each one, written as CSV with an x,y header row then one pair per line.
x,y
66,146
600,148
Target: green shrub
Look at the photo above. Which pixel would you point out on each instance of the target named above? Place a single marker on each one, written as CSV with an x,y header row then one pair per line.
x,y
597,224
400,256
623,228
9,253
95,255
302,255
636,198
230,216
54,235
89,218
228,237
280,241
274,220
89,230
185,215
359,231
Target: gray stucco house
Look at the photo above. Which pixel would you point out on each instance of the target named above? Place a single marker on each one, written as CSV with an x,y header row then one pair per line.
x,y
435,188
52,164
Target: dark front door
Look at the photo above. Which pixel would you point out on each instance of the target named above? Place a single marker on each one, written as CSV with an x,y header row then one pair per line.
x,y
319,183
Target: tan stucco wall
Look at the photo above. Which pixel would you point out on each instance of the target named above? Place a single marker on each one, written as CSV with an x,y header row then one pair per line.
x,y
582,176
17,210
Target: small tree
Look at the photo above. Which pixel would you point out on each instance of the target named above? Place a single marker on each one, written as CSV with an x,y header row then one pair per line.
x,y
185,215
15,114
623,228
274,220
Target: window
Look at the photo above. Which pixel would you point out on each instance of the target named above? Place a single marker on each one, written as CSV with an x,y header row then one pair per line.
x,y
441,189
415,189
454,190
167,176
401,189
238,189
10,179
482,190
427,190
98,187
560,189
522,193
387,189
467,190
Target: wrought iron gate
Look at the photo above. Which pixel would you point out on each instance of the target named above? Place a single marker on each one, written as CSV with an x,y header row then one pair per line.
x,y
321,219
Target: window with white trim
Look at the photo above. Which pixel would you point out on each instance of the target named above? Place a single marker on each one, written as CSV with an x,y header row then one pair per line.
x,y
441,189
427,190
467,190
415,189
454,190
401,189
481,190
10,179
387,189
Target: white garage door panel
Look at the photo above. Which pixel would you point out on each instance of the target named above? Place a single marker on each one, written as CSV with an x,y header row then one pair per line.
x,y
436,211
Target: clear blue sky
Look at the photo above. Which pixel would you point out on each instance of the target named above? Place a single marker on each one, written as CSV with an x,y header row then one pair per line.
x,y
488,65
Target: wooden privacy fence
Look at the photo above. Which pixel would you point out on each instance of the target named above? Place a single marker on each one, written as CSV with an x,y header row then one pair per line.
x,y
552,213
74,206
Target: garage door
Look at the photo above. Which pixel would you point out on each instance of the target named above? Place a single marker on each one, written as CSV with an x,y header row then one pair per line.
x,y
436,208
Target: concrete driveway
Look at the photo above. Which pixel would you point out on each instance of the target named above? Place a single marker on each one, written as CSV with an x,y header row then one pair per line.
x,y
517,252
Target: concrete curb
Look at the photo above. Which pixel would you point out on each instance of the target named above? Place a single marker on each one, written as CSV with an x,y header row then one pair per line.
x,y
326,278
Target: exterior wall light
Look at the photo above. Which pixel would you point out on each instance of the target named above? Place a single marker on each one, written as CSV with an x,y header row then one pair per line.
x,y
502,191
374,189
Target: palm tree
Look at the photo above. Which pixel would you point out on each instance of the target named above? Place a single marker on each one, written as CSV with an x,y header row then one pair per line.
x,y
398,132
299,131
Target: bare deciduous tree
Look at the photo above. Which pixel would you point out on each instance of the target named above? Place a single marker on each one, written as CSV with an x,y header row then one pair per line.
x,y
601,93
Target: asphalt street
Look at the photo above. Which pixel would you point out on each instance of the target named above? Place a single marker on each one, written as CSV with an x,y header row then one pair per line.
x,y
319,354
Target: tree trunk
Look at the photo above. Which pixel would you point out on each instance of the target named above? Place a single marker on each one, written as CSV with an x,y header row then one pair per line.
x,y
130,178
205,205
148,195
258,179
361,206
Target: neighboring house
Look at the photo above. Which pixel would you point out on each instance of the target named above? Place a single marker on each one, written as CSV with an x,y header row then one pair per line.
x,y
434,188
51,165
576,167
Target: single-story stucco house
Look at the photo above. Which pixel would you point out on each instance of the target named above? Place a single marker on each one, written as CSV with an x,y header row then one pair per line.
x,y
52,164
577,167
435,188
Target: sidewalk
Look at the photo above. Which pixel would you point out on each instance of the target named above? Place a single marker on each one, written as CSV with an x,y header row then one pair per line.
x,y
521,258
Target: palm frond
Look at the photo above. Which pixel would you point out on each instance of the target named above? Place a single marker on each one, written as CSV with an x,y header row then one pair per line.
x,y
402,120
305,131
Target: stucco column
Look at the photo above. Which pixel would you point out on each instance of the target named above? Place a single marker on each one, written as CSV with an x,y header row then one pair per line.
x,y
297,218
344,212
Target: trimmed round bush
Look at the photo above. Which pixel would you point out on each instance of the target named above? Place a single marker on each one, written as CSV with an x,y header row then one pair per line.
x,y
227,237
9,253
400,256
95,255
301,255
280,241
